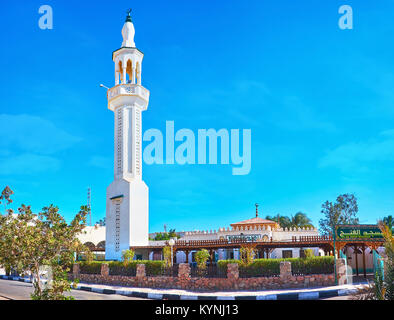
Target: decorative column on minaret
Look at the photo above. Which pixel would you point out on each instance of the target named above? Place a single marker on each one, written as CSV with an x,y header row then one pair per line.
x,y
127,217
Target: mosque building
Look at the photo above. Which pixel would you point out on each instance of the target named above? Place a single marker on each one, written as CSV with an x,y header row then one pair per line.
x,y
127,211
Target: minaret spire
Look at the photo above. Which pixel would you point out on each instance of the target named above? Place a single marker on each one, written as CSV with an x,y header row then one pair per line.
x,y
128,32
257,210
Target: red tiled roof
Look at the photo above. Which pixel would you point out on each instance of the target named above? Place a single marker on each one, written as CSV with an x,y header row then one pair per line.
x,y
256,220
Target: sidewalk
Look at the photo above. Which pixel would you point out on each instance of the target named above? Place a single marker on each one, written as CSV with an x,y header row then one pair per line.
x,y
175,294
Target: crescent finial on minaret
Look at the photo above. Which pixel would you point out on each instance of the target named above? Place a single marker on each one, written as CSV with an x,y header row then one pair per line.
x,y
128,18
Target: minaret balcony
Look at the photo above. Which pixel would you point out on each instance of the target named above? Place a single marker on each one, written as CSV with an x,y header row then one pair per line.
x,y
127,93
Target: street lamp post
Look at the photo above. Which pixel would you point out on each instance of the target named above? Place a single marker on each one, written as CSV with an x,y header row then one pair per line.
x,y
335,255
172,243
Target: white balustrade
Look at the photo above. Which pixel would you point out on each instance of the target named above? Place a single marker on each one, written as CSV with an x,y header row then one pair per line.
x,y
128,89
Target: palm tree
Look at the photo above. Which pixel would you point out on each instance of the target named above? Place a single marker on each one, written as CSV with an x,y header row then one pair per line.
x,y
300,220
389,221
283,221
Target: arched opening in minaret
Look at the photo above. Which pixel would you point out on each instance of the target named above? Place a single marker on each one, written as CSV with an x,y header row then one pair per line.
x,y
138,73
129,72
120,72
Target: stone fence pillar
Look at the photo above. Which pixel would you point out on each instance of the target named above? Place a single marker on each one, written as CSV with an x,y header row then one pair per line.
x,y
140,273
232,271
105,270
285,269
76,270
184,271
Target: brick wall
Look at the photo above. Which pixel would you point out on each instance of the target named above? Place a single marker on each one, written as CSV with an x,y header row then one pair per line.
x,y
232,282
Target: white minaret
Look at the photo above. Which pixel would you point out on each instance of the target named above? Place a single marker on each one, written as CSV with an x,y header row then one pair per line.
x,y
127,221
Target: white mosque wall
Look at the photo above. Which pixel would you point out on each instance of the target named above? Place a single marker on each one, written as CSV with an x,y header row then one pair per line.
x,y
200,235
278,253
288,234
94,234
277,235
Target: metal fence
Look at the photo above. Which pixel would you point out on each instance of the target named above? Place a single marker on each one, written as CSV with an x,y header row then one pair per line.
x,y
163,271
90,268
299,269
378,265
250,272
120,270
211,271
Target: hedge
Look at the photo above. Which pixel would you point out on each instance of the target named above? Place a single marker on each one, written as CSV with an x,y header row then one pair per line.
x,y
151,267
93,267
118,268
271,267
312,265
258,268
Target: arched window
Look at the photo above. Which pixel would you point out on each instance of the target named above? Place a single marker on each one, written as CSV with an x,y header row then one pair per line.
x,y
101,245
90,245
129,71
120,71
138,73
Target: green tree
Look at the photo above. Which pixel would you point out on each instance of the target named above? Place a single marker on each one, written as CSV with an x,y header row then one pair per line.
x,y
202,257
247,254
6,260
343,211
30,242
388,283
5,197
167,256
389,221
381,289
309,253
284,222
127,256
78,248
101,222
162,236
299,220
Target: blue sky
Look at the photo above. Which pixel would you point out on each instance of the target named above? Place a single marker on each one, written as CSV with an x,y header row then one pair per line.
x,y
319,102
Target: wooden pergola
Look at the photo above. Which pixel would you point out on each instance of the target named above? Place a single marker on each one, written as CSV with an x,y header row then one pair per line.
x,y
325,243
359,244
262,247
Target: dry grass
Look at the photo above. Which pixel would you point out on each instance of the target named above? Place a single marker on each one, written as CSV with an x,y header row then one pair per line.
x,y
364,293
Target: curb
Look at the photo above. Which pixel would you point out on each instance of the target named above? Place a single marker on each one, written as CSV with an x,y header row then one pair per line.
x,y
311,295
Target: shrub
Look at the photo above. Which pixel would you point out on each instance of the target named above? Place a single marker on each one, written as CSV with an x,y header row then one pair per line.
x,y
154,268
222,264
258,268
127,256
202,257
309,253
167,255
93,267
119,268
312,265
271,267
261,267
247,254
151,267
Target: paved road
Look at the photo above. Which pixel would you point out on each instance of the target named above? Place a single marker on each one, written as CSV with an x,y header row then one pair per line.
x,y
16,290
